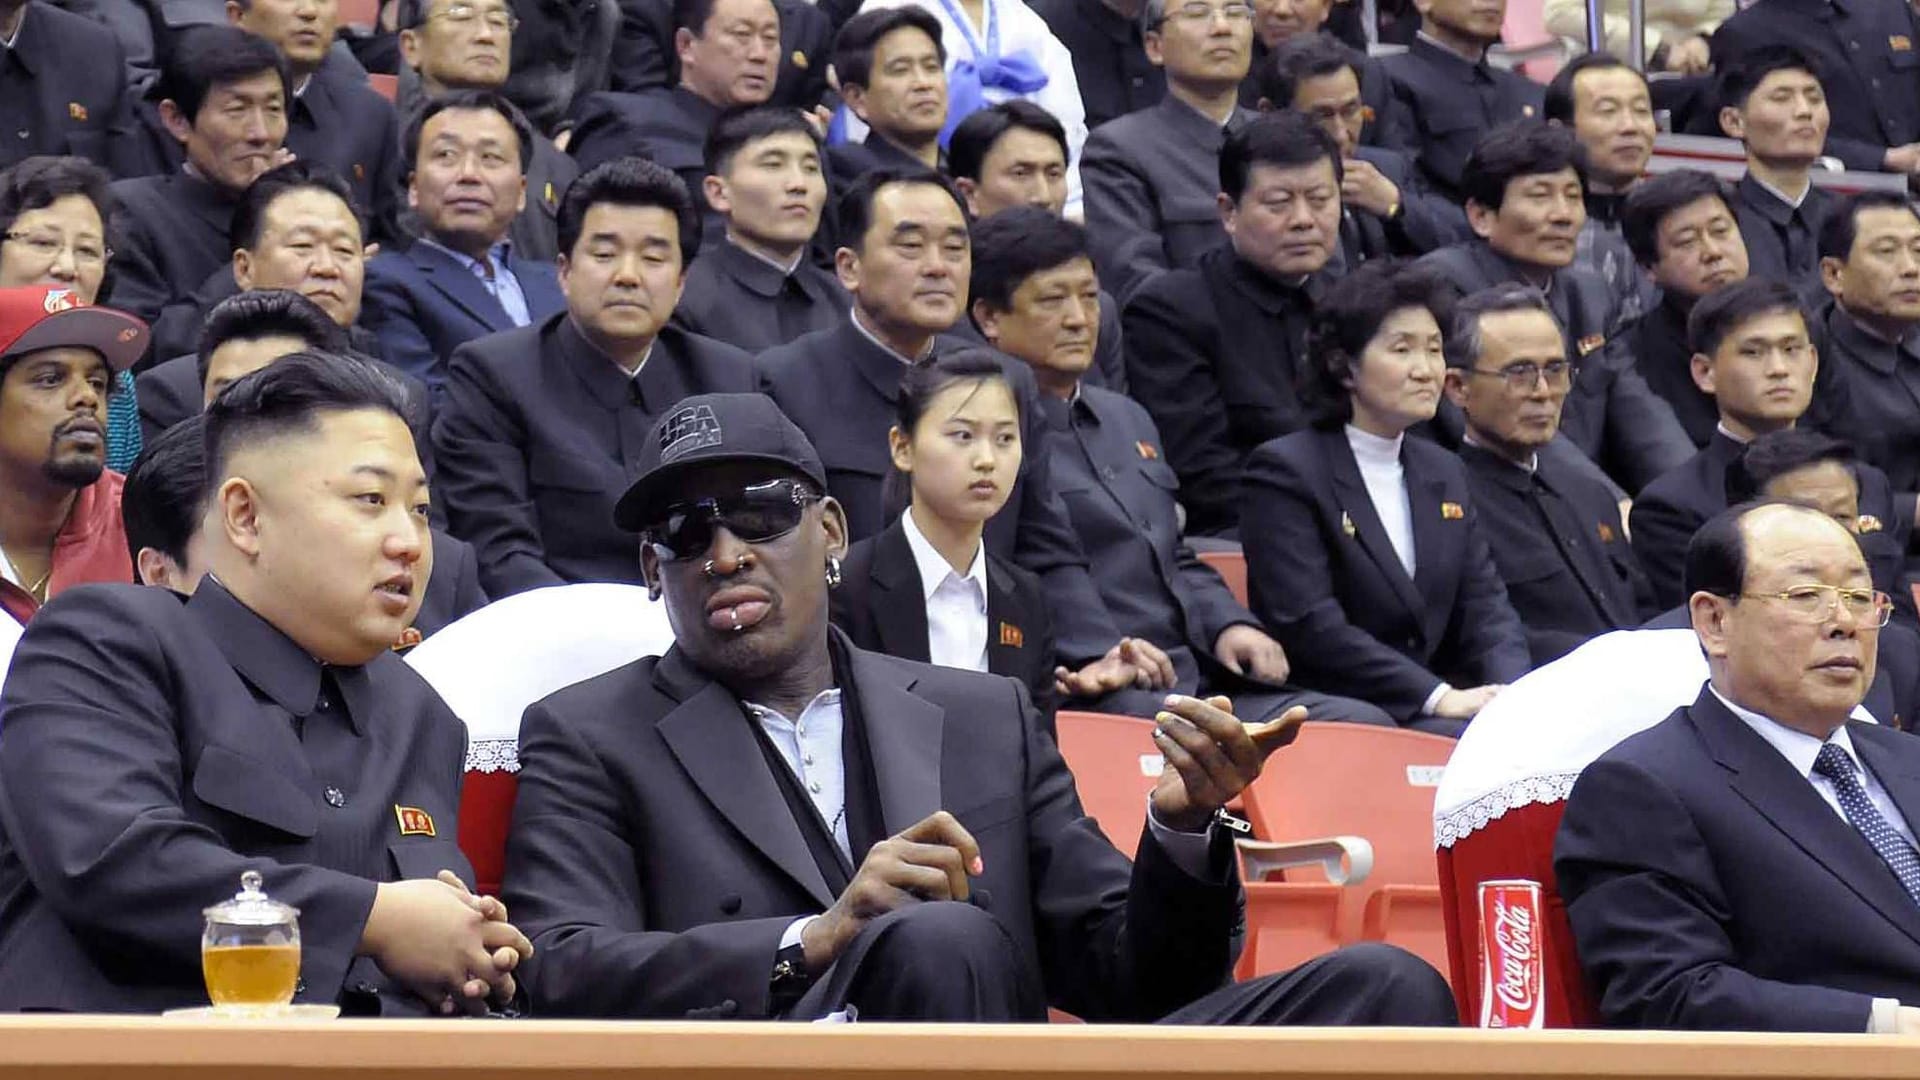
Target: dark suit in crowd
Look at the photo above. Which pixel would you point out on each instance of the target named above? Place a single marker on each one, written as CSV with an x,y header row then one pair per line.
x,y
540,434
1880,410
1439,105
1867,66
1110,62
1109,368
684,921
199,743
1324,578
1151,180
63,90
1658,342
666,126
735,296
169,237
1557,540
1671,509
1426,221
1110,470
644,58
1610,414
1711,887
881,607
840,387
848,161
1214,353
1373,80
342,123
1783,242
422,304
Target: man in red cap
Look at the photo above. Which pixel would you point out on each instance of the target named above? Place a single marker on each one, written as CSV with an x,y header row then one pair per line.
x,y
59,503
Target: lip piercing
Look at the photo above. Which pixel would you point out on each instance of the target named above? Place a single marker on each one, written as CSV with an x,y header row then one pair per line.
x,y
735,612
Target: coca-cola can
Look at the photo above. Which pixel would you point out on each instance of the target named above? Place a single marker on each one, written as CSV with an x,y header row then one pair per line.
x,y
1513,987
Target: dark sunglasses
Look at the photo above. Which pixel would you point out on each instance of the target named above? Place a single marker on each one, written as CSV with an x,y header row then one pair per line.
x,y
759,513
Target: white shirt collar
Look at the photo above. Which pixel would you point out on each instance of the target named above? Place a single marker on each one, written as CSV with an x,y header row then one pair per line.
x,y
933,566
1799,748
1722,429
825,699
853,313
786,269
1533,460
1371,449
1781,195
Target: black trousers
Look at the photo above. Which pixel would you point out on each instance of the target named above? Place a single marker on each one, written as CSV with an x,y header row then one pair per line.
x,y
955,962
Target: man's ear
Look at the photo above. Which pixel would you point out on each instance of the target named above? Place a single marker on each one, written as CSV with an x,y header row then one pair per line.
x,y
1701,368
1480,219
715,190
1454,385
834,520
1226,209
235,13
1709,615
854,97
988,320
968,188
1150,41
238,507
178,124
650,569
1733,122
683,44
1831,271
410,49
846,267
243,269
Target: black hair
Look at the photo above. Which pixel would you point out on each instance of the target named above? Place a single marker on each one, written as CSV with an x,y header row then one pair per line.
x,y
1717,554
1842,224
250,216
205,57
854,45
1511,151
1743,72
691,16
922,383
1649,202
856,203
1284,139
488,100
1777,453
1017,243
1559,97
1464,340
264,313
289,395
1308,56
629,181
736,128
166,492
1725,309
36,183
975,137
1346,320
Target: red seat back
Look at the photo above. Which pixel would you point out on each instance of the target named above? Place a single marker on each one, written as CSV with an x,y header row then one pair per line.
x,y
1115,765
486,809
1232,568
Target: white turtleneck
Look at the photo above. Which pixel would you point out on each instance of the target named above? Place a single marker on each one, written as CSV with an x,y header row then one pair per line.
x,y
1379,461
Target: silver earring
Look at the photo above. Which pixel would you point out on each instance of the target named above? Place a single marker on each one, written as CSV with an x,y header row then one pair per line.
x,y
833,571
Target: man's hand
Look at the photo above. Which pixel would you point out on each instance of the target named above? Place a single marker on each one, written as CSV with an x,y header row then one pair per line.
x,y
443,943
1903,159
1247,651
1132,662
1690,56
1364,187
1211,757
819,118
931,860
1465,704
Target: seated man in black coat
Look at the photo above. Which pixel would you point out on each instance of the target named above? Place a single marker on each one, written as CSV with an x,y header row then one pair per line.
x,y
1526,202
1754,355
1214,352
1015,154
1556,533
1385,208
892,69
755,287
812,865
1443,97
542,427
63,88
1772,100
262,727
1609,108
645,53
224,97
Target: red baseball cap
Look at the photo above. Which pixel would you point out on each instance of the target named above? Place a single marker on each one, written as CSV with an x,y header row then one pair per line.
x,y
39,317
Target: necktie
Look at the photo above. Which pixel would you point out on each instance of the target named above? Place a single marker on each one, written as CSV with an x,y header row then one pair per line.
x,y
1899,856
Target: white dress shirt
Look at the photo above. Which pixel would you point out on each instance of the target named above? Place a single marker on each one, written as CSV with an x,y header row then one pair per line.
x,y
1800,749
956,603
1386,480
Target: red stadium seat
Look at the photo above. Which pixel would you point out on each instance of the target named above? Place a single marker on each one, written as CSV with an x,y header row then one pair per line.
x,y
486,809
1373,782
1231,566
387,86
360,14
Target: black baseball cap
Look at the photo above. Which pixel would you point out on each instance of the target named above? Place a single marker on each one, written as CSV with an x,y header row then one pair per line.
x,y
706,429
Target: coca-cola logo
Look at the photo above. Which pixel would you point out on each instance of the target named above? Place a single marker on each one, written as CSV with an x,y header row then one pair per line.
x,y
1514,937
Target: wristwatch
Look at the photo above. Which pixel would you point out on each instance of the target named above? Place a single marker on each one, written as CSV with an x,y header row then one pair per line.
x,y
790,978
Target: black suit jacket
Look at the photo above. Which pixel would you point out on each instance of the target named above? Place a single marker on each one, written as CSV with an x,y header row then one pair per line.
x,y
1110,64
1783,242
423,304
655,863
840,388
64,84
340,122
644,57
156,747
169,237
1879,408
880,607
1658,342
1691,858
1427,221
1560,547
1324,578
1215,353
1866,63
1610,414
745,301
668,126
1439,105
541,435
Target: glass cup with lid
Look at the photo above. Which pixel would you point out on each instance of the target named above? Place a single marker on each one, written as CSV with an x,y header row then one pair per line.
x,y
250,953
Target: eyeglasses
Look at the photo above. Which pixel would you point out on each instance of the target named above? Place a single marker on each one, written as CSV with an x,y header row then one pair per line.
x,y
1522,378
759,513
1815,603
1200,13
1348,111
49,245
465,14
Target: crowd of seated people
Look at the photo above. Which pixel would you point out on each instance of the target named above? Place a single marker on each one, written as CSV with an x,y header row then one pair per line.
x,y
912,354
